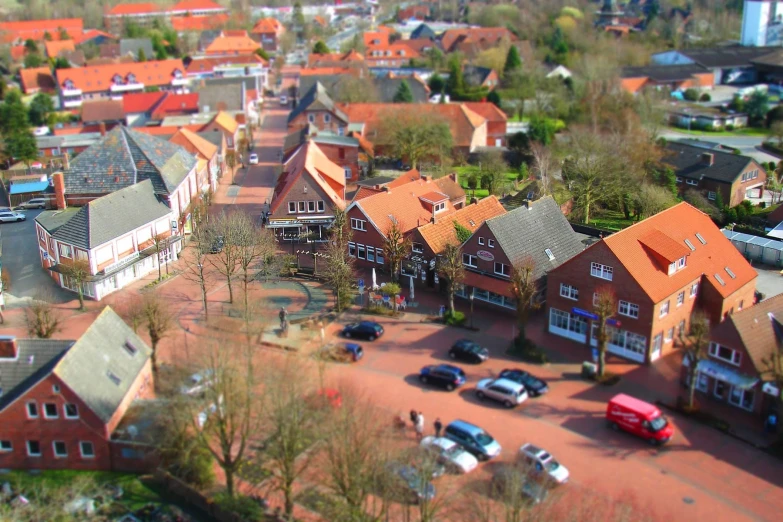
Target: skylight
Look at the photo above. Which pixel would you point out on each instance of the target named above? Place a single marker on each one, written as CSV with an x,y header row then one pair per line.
x,y
690,245
113,377
130,348
731,274
549,254
720,280
701,239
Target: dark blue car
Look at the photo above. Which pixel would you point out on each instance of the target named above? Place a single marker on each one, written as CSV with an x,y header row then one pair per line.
x,y
363,330
443,375
532,384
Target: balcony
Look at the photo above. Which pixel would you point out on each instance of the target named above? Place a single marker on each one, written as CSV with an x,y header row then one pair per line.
x,y
127,87
69,104
71,92
178,82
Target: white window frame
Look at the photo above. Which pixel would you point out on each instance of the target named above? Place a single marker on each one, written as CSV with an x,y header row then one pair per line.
x,y
664,309
37,411
711,196
680,298
31,454
601,271
491,243
440,207
310,206
379,256
6,449
352,246
669,335
628,309
505,270
370,254
327,118
65,250
358,224
292,204
572,292
361,252
742,396
54,449
46,414
65,410
694,290
736,356
472,260
301,206
481,241
417,248
320,206
691,182
81,449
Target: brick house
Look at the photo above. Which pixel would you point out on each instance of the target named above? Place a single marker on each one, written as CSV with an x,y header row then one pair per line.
x,y
476,76
660,270
471,40
500,243
410,205
346,151
317,108
496,122
397,54
711,172
63,399
227,125
209,161
430,240
267,32
735,370
113,233
38,79
345,60
232,45
307,192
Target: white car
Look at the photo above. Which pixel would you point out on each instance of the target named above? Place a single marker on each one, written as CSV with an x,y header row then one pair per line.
x,y
10,216
543,462
253,159
450,454
506,392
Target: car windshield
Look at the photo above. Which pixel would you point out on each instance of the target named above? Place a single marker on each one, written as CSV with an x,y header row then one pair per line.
x,y
484,439
474,348
454,451
658,424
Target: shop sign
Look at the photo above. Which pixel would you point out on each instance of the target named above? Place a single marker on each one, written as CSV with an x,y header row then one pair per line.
x,y
485,255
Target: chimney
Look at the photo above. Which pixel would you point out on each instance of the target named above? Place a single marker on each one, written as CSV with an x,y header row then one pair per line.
x,y
454,177
708,158
473,201
58,180
425,179
66,161
8,348
102,128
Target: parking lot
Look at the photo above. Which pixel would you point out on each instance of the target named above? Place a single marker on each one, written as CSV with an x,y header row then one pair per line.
x,y
699,473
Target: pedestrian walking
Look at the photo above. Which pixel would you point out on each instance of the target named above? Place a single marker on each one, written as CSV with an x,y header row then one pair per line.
x,y
438,427
413,417
419,426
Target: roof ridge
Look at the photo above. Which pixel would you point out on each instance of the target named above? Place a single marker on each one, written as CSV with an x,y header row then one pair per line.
x,y
619,232
123,132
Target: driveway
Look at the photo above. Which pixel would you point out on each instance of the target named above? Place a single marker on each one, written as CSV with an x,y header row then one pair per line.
x,y
770,282
701,474
23,263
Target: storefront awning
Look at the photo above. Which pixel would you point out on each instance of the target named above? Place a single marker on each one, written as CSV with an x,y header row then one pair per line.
x,y
488,283
724,373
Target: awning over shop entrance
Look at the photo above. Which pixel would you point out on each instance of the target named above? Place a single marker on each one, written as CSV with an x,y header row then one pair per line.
x,y
726,374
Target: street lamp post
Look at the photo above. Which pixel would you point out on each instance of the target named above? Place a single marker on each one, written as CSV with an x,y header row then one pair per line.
x,y
472,296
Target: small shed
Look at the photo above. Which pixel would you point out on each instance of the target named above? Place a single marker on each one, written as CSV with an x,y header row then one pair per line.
x,y
755,248
22,188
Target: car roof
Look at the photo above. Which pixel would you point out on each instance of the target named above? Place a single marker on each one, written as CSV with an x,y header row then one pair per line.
x,y
369,323
466,426
443,443
530,449
466,342
509,384
448,368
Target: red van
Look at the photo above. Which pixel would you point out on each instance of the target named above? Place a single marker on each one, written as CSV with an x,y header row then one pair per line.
x,y
638,417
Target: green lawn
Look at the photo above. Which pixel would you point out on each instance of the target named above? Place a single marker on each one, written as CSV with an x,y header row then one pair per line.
x,y
611,220
745,131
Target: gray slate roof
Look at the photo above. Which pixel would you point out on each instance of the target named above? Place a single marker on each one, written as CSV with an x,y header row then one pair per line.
x,y
663,73
475,75
317,99
125,157
215,138
220,97
52,220
134,45
387,88
109,217
529,231
423,31
687,162
92,367
36,359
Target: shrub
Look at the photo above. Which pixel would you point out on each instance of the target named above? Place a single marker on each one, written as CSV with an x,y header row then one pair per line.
x,y
705,97
691,95
527,350
378,310
455,319
729,127
763,204
245,507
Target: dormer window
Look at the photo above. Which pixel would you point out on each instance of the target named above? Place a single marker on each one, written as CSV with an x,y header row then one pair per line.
x,y
177,73
117,79
68,84
440,207
677,265
131,78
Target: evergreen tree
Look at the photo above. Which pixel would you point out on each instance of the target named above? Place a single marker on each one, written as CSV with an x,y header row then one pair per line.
x,y
320,48
436,83
513,61
494,97
404,93
15,126
142,55
456,81
40,109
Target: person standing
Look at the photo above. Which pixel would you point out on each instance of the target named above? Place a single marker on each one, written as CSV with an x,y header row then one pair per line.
x,y
438,427
413,418
419,426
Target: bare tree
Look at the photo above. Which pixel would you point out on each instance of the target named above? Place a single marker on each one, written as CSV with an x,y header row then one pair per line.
x,y
159,242
694,346
524,288
195,271
227,228
253,244
543,166
339,265
355,89
231,162
415,135
43,320
396,247
605,304
77,272
158,321
132,311
651,199
451,269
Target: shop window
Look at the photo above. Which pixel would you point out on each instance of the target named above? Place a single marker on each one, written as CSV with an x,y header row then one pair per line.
x,y
742,398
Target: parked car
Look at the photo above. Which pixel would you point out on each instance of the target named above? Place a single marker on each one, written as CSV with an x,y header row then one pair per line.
x,y
509,476
33,203
341,352
534,386
639,418
283,99
217,245
469,351
10,216
543,462
444,375
412,484
253,159
473,439
369,330
450,454
509,393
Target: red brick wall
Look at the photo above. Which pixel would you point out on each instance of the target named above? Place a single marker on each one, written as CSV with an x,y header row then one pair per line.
x,y
302,120
303,189
496,130
472,246
369,238
350,157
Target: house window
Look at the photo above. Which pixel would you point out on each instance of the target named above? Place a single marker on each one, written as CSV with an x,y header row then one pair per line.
x,y
311,206
469,260
291,207
691,182
680,298
711,196
32,410
549,254
481,241
702,382
418,248
311,118
731,274
87,449
628,309
379,256
370,254
50,410
352,249
6,446
502,269
694,289
33,448
65,251
327,118
602,271
725,354
361,252
679,179
740,305
60,450
341,131
359,224
491,243
664,309
42,234
742,398
302,206
348,173
690,245
320,206
669,335
701,239
71,411
571,292
440,207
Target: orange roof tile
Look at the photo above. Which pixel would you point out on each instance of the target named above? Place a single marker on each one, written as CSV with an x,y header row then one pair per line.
x,y
679,223
138,102
99,77
196,5
376,38
441,233
226,121
316,71
491,35
173,104
403,204
198,23
194,143
397,50
55,47
450,187
37,78
168,130
91,34
134,9
364,192
664,246
18,52
232,44
310,160
35,29
208,64
329,60
268,25
489,111
433,197
405,177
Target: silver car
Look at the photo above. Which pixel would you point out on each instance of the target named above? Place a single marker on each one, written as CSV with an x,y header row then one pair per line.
x,y
507,392
10,216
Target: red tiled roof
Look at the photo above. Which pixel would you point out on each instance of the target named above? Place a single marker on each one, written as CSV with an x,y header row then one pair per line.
x,y
196,5
382,37
55,47
489,111
310,160
18,52
268,25
232,44
441,233
404,178
99,78
37,78
394,48
102,110
134,9
140,102
403,204
316,71
35,29
434,197
168,130
491,35
365,192
198,23
679,223
194,143
174,104
91,34
318,60
208,64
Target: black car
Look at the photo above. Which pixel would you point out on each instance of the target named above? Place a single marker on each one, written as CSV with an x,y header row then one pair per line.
x,y
365,330
467,350
444,375
532,384
217,245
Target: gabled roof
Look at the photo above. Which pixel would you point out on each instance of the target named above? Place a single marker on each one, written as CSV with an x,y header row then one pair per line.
x,y
221,97
36,29
402,204
758,328
451,188
55,47
140,102
309,160
365,192
99,77
194,143
206,64
173,104
125,157
680,223
376,38
35,360
233,44
187,6
317,99
198,23
111,216
102,110
404,178
225,121
99,368
397,50
387,87
443,232
319,60
689,162
268,25
488,111
532,230
491,35
37,78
